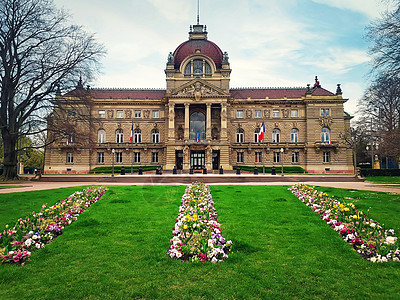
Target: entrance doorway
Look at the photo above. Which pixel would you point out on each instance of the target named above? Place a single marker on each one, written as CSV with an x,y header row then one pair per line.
x,y
215,159
179,159
197,160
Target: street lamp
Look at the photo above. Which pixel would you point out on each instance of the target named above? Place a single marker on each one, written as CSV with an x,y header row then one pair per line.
x,y
372,155
282,161
113,152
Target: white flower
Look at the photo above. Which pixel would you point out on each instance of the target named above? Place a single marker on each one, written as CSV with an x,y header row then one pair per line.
x,y
373,225
38,246
210,243
35,237
391,240
28,242
373,259
214,260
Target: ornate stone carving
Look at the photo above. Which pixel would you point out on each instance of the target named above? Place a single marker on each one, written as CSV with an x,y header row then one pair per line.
x,y
110,114
325,121
146,114
197,91
285,113
248,114
128,113
267,113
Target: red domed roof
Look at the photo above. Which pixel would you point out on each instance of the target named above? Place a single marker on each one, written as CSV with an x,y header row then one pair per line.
x,y
206,47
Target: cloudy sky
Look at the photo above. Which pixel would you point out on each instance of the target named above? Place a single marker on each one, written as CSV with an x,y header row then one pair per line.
x,y
271,43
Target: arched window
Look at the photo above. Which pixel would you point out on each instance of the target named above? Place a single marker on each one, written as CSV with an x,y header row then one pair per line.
x,y
198,67
240,135
155,136
197,126
101,136
294,135
325,135
119,135
137,136
276,135
256,132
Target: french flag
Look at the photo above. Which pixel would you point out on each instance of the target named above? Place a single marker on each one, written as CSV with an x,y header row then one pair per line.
x,y
261,132
131,139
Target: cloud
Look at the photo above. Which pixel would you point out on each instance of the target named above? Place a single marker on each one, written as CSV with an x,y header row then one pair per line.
x,y
371,8
177,10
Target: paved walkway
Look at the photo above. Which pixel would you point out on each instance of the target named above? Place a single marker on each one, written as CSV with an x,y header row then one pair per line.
x,y
331,181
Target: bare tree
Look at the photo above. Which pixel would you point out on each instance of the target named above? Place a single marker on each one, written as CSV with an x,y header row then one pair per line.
x,y
40,53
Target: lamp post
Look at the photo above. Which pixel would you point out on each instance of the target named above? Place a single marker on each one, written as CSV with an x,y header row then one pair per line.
x,y
372,155
282,161
113,152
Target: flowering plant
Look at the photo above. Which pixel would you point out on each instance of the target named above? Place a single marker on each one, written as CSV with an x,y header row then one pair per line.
x,y
368,237
197,233
40,228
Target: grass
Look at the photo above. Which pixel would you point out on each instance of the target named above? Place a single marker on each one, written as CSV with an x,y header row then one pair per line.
x,y
384,179
117,249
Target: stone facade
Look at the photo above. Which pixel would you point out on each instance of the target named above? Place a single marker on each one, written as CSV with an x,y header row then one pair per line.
x,y
199,122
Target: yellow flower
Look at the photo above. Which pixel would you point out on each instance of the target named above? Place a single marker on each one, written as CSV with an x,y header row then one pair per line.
x,y
346,209
185,227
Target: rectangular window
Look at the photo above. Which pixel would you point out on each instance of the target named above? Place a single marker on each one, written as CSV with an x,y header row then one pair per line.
x,y
154,157
295,157
325,112
277,157
275,113
138,113
326,157
258,157
156,114
100,157
70,157
257,113
102,114
294,113
118,157
120,114
239,114
240,157
136,157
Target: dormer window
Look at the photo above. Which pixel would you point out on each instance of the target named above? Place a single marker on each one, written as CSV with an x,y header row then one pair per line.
x,y
198,67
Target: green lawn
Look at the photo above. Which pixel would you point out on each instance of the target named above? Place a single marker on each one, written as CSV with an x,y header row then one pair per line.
x,y
384,179
281,249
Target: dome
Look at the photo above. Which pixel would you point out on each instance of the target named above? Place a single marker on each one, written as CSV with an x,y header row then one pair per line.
x,y
190,47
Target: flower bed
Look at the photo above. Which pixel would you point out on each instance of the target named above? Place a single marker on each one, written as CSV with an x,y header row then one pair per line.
x,y
197,233
368,237
41,228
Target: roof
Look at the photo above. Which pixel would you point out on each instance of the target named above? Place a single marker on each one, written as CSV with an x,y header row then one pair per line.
x,y
276,93
237,93
206,47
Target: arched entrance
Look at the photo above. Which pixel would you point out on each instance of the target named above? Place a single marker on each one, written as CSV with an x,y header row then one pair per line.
x,y
197,126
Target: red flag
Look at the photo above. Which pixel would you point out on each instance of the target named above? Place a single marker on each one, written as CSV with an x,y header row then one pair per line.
x,y
131,139
261,132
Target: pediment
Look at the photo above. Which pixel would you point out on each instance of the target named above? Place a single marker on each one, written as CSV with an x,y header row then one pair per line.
x,y
198,89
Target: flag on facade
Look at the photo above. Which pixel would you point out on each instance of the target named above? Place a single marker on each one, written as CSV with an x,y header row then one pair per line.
x,y
198,137
261,132
131,139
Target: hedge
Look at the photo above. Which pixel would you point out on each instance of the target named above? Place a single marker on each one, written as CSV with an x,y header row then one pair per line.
x,y
269,169
117,169
379,172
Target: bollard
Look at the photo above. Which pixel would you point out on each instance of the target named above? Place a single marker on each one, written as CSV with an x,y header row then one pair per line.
x,y
140,171
191,171
255,171
174,170
122,171
237,171
273,171
205,171
221,171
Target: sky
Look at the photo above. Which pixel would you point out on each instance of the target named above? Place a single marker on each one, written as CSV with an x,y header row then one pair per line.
x,y
271,43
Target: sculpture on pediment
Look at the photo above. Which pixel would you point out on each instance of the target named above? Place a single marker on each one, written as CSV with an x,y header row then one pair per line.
x,y
197,91
325,121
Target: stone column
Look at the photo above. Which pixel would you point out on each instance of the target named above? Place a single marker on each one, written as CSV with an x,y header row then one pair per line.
x,y
224,121
187,112
208,122
171,123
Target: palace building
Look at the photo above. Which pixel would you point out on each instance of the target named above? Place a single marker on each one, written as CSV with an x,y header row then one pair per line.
x,y
198,121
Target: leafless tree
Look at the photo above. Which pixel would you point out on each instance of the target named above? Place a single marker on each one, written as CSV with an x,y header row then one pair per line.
x,y
41,53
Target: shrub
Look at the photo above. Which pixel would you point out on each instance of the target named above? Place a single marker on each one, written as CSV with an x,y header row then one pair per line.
x,y
379,172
